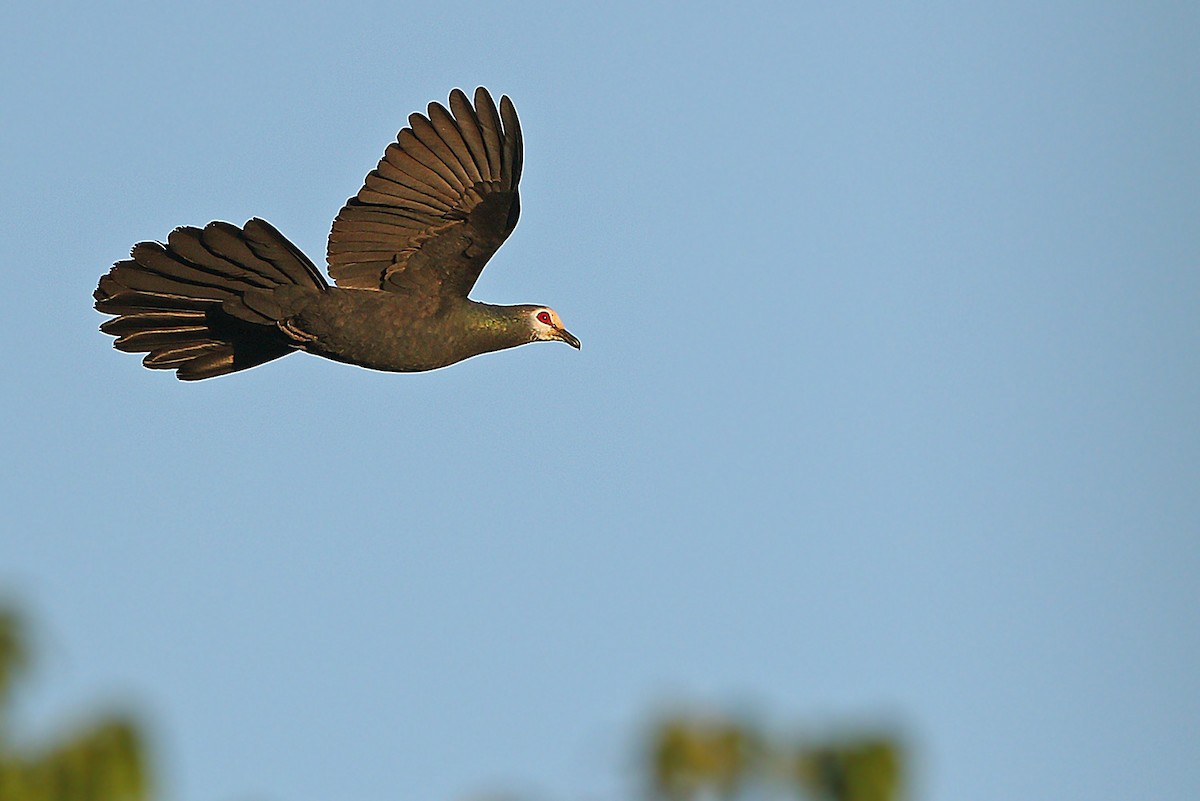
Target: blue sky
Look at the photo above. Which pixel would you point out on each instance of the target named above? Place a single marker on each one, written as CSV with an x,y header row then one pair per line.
x,y
885,413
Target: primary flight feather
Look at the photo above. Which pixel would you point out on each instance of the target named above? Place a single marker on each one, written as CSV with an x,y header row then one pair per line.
x,y
404,254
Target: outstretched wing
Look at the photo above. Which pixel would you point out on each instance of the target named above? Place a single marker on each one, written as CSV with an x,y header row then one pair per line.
x,y
441,201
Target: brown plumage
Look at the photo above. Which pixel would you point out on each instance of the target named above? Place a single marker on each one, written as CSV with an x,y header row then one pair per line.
x,y
404,253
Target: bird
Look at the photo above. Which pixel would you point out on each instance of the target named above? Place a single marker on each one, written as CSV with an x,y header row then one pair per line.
x,y
404,254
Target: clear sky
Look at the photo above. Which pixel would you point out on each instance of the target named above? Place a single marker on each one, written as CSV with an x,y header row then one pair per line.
x,y
886,409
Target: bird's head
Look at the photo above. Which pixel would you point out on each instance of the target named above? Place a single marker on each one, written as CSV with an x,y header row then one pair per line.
x,y
545,324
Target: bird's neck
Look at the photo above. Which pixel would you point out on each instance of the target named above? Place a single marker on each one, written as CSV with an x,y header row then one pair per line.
x,y
497,327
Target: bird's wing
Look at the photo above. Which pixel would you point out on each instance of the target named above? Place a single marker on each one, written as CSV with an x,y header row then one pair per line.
x,y
441,201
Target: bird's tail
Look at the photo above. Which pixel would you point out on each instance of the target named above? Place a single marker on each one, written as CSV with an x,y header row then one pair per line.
x,y
206,303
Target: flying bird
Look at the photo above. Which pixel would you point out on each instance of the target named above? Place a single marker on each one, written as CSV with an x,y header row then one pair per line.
x,y
404,254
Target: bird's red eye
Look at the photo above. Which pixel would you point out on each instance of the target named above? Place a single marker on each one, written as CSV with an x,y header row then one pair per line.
x,y
544,317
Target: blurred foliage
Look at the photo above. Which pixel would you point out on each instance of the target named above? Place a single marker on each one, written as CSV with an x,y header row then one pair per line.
x,y
687,757
12,658
101,761
691,757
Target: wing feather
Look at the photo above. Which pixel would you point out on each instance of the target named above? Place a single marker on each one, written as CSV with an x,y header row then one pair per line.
x,y
426,134
421,153
468,124
437,206
510,170
447,129
423,175
395,193
490,127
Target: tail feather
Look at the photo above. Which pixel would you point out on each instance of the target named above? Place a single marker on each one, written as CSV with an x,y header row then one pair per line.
x,y
120,326
175,355
149,339
173,261
182,303
188,247
207,366
247,250
273,247
136,275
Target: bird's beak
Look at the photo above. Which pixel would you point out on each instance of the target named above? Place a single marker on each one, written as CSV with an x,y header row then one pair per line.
x,y
568,337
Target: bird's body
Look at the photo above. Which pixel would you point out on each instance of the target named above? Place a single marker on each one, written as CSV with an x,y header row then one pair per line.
x,y
405,253
398,340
